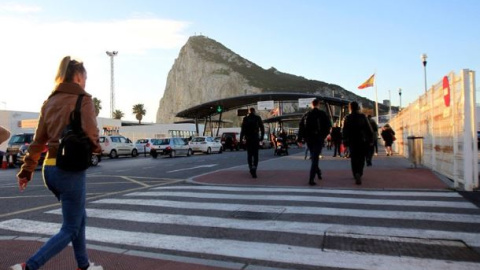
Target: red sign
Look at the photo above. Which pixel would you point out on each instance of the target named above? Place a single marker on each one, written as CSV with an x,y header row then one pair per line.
x,y
446,91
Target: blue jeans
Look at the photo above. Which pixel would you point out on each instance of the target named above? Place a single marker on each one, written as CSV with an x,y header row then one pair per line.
x,y
69,188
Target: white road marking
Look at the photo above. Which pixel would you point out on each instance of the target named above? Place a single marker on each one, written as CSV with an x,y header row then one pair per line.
x,y
309,198
363,213
193,168
448,194
309,228
249,250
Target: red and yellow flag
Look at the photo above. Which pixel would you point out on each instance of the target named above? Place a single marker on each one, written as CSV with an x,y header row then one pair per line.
x,y
368,83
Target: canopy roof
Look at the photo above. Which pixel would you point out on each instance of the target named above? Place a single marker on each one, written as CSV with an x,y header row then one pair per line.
x,y
210,108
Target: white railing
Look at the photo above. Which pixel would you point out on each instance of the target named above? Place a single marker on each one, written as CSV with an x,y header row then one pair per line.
x,y
449,132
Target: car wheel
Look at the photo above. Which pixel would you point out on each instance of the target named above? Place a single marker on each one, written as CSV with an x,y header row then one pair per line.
x,y
153,153
94,160
189,152
113,154
134,153
209,151
172,154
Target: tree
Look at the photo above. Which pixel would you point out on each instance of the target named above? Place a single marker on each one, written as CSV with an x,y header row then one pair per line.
x,y
98,105
139,112
117,114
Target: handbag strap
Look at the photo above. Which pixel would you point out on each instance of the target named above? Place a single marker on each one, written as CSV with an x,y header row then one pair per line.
x,y
76,116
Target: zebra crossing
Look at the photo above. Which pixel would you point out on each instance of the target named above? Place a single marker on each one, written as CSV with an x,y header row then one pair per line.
x,y
289,228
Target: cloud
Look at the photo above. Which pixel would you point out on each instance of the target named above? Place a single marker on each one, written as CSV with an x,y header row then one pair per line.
x,y
19,8
32,49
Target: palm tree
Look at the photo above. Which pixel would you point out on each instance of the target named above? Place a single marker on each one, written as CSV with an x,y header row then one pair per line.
x,y
139,112
98,105
117,114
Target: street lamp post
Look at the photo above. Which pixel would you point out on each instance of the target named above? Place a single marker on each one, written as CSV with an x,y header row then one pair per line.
x,y
400,95
112,54
424,61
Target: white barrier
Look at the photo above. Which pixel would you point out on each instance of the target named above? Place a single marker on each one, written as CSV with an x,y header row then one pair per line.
x,y
449,132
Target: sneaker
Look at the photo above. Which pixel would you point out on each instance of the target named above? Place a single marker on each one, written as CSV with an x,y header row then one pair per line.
x,y
19,266
93,267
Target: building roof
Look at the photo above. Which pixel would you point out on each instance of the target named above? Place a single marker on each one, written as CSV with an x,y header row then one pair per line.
x,y
210,108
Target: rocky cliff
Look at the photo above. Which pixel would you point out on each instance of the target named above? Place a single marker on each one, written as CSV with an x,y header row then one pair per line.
x,y
205,70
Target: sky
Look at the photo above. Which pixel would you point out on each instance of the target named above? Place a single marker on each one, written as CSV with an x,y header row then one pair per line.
x,y
338,42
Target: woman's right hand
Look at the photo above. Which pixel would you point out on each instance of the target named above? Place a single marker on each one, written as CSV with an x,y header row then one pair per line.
x,y
23,177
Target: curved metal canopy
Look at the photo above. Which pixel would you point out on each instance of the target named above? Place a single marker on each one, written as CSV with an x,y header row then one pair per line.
x,y
291,117
210,108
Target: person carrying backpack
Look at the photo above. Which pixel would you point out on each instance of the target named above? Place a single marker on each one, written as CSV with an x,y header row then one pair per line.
x,y
68,186
252,132
358,137
313,129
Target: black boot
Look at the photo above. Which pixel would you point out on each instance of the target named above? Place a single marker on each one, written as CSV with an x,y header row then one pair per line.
x,y
253,172
319,174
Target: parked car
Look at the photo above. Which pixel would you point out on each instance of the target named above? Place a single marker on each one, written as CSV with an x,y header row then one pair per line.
x,y
171,147
18,146
205,144
144,145
231,140
117,145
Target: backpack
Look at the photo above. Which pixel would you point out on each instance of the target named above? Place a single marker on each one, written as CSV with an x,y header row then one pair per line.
x,y
251,125
75,150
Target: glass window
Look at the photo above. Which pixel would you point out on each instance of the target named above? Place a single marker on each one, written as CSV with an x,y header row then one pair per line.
x,y
198,139
101,139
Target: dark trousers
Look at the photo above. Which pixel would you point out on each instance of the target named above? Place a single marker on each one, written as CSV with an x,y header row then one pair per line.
x,y
336,148
315,148
358,155
370,152
252,153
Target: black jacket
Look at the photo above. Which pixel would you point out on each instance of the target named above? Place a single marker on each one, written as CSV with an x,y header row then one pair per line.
x,y
252,125
306,133
357,130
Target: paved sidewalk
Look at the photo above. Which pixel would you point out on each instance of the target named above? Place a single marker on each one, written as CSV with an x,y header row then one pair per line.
x,y
18,249
393,172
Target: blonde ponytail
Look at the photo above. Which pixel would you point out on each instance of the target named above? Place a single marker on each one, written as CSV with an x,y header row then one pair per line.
x,y
62,70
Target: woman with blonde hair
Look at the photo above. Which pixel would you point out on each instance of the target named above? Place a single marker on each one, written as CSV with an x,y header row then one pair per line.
x,y
67,186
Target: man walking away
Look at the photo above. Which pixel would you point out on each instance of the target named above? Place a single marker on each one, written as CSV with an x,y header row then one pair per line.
x,y
358,136
313,129
374,148
253,132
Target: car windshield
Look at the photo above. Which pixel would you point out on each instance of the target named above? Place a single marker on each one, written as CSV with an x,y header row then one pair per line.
x,y
21,139
198,139
161,142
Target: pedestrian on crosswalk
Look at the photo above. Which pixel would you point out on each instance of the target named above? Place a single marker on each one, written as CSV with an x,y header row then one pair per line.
x,y
67,186
252,133
313,129
358,137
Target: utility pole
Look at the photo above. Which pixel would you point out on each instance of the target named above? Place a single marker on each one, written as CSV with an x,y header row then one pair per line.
x,y
112,54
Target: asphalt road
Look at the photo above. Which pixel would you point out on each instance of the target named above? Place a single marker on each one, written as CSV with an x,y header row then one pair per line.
x,y
116,176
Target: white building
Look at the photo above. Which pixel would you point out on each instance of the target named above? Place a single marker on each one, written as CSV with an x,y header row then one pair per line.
x,y
23,122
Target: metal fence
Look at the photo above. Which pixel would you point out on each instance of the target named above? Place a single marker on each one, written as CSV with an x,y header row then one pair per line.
x,y
445,117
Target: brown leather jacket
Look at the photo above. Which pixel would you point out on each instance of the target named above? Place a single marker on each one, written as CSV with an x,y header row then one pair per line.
x,y
54,117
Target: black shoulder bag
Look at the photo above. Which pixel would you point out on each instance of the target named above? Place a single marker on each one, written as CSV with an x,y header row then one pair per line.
x,y
75,150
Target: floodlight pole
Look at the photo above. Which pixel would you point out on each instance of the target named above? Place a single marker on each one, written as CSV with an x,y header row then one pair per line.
x,y
112,54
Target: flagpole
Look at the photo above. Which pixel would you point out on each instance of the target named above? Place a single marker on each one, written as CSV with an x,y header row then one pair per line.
x,y
376,96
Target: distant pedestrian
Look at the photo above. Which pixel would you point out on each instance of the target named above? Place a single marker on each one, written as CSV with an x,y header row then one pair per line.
x,y
67,186
388,136
252,132
313,129
4,135
374,148
358,137
336,135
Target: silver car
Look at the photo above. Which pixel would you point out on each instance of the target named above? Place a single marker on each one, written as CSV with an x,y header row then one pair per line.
x,y
170,146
